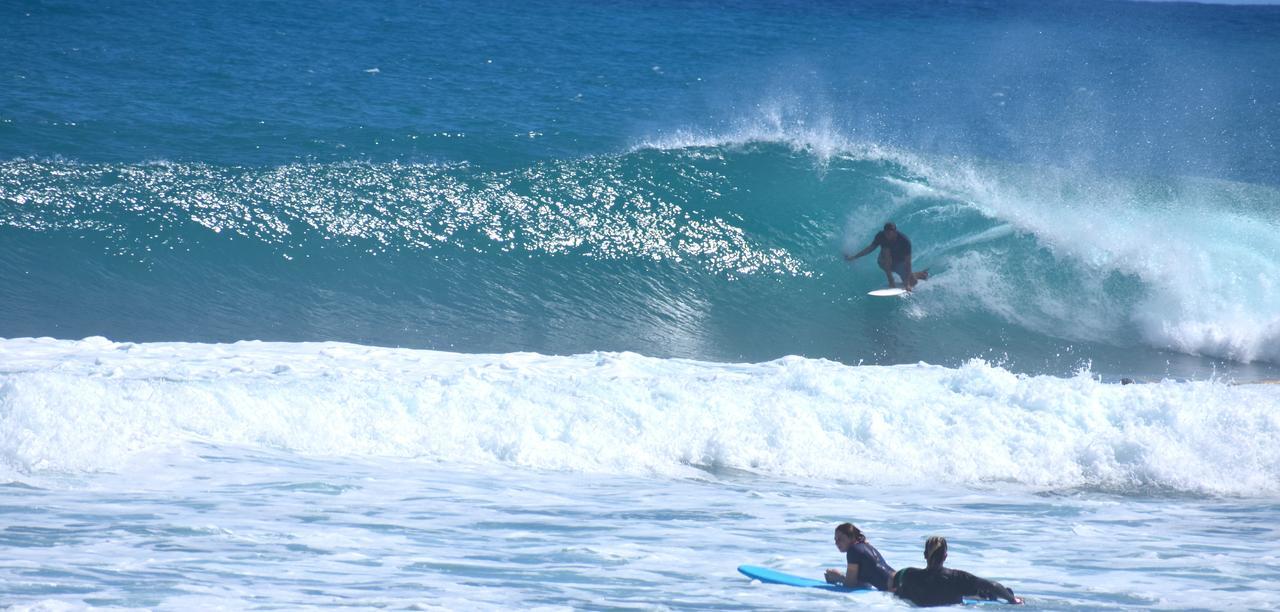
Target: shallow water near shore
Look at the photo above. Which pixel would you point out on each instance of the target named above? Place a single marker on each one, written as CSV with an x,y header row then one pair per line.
x,y
232,526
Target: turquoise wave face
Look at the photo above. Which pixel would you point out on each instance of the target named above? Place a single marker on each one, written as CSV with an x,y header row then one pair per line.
x,y
725,249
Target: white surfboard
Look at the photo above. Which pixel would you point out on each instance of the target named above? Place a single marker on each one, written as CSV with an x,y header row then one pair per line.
x,y
887,292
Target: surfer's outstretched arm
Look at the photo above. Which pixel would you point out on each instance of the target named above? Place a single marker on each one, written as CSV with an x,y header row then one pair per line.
x,y
996,590
860,253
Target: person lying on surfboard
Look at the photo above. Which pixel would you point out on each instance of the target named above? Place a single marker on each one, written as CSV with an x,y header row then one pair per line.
x,y
866,566
938,586
895,256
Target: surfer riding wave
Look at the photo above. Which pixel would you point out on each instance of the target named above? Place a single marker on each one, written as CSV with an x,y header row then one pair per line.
x,y
895,256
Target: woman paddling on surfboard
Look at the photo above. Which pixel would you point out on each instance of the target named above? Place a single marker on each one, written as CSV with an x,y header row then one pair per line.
x,y
895,256
866,566
939,586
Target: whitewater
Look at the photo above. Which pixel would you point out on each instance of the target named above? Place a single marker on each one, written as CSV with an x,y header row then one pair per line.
x,y
329,474
622,413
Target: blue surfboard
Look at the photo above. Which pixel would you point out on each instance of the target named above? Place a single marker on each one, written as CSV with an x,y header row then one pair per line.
x,y
769,576
764,574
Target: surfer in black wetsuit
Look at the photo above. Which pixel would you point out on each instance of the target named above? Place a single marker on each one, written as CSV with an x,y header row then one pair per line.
x,y
939,586
866,566
895,256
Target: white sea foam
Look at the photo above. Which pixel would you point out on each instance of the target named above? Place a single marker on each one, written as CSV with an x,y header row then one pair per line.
x,y
1203,252
95,405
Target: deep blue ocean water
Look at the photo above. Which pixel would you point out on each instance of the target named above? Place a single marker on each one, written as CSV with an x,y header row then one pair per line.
x,y
609,237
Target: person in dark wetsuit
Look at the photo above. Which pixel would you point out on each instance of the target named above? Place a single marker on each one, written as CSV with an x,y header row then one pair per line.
x,y
866,566
939,586
895,256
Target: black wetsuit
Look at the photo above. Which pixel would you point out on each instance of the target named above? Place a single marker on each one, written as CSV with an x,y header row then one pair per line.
x,y
945,587
899,250
872,569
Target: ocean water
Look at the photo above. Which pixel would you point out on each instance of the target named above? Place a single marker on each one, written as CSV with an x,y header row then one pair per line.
x,y
477,305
